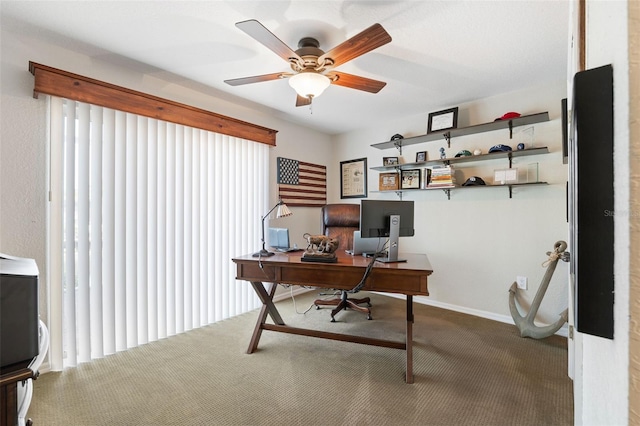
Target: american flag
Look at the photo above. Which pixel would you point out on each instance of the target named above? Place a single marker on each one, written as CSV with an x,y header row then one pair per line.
x,y
302,184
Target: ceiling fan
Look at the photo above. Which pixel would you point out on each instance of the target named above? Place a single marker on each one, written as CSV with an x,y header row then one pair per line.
x,y
313,69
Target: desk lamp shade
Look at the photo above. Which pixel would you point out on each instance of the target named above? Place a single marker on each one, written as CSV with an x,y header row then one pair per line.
x,y
283,211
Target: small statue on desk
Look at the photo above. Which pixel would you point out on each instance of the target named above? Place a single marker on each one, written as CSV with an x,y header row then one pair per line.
x,y
320,248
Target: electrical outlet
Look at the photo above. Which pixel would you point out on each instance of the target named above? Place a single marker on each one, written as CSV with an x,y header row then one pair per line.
x,y
522,282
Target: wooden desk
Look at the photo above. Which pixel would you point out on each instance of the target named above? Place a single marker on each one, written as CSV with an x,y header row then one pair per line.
x,y
408,278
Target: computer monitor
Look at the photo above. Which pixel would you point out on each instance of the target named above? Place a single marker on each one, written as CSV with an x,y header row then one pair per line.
x,y
385,218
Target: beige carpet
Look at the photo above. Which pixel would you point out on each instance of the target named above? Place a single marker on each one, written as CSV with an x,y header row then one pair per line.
x,y
468,371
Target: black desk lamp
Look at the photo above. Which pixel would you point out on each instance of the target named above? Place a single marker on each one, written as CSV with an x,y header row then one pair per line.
x,y
283,211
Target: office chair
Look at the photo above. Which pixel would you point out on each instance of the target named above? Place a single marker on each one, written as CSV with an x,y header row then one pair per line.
x,y
339,221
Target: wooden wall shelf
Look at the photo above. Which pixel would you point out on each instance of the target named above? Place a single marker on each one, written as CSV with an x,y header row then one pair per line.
x,y
463,131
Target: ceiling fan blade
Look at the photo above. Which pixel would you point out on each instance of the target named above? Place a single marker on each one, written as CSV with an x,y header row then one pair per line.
x,y
369,39
356,82
258,31
302,101
257,78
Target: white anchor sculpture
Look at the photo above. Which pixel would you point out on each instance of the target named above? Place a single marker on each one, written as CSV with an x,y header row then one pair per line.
x,y
525,324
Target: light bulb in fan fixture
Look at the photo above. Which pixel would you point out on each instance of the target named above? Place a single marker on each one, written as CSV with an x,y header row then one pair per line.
x,y
309,84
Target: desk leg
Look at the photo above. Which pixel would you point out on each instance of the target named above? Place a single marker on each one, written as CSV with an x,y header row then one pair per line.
x,y
267,308
409,378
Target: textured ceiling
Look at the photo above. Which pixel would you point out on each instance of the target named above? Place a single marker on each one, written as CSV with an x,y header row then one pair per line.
x,y
443,53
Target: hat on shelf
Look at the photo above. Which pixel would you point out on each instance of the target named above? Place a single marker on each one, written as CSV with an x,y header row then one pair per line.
x,y
396,137
499,148
508,116
473,181
463,153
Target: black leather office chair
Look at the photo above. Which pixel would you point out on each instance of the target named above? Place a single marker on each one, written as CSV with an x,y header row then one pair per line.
x,y
339,221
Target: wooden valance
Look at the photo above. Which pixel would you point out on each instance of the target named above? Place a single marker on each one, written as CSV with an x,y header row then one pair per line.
x,y
52,81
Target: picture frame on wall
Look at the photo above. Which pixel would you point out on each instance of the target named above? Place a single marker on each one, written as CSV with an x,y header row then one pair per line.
x,y
353,178
442,120
410,179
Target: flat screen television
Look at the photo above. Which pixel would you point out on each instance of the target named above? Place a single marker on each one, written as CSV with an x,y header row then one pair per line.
x,y
592,201
385,218
18,310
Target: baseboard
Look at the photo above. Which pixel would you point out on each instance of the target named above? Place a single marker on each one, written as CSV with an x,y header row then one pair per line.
x,y
564,330
287,293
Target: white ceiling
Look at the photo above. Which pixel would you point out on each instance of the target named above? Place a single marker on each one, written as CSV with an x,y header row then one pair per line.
x,y
443,53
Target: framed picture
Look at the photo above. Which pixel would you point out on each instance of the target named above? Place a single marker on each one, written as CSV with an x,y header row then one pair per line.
x,y
421,156
389,182
443,120
353,178
390,161
410,179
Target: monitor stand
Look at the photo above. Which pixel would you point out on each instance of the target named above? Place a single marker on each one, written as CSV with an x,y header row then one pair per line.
x,y
394,236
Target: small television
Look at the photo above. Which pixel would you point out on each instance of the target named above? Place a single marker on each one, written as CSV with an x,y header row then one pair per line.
x,y
385,218
592,200
18,310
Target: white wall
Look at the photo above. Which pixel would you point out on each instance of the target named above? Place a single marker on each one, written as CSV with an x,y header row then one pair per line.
x,y
480,240
23,138
477,242
602,397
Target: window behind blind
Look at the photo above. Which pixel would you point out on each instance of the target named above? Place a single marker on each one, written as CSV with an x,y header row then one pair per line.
x,y
144,218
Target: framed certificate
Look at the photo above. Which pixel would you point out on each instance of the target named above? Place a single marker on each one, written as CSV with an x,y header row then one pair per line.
x,y
443,120
353,178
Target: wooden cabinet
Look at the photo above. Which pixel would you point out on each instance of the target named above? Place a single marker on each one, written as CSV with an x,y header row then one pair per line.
x,y
10,377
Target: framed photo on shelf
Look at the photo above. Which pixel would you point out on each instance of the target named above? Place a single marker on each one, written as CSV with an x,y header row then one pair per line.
x,y
442,120
390,161
389,182
353,178
410,179
421,156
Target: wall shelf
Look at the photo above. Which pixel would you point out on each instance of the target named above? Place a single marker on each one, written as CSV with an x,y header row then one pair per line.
x,y
454,160
450,161
447,189
463,131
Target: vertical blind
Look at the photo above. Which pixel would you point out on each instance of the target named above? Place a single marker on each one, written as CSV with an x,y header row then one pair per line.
x,y
144,219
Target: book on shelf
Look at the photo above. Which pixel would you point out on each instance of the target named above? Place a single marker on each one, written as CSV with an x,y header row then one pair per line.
x,y
425,179
442,176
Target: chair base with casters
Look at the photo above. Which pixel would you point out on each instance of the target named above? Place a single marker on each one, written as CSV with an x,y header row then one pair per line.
x,y
339,221
345,303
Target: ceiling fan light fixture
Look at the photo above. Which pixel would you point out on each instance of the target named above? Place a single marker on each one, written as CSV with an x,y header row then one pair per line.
x,y
309,84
